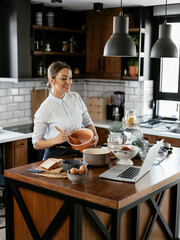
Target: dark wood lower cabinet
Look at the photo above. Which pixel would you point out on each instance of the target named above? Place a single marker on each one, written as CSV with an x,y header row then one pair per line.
x,y
175,142
16,153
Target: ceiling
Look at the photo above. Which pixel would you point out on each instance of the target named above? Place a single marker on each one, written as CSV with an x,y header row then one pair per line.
x,y
88,4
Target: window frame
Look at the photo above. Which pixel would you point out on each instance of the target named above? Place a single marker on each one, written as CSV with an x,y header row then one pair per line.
x,y
156,67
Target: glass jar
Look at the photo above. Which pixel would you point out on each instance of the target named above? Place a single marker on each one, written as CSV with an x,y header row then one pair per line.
x,y
65,46
130,119
114,140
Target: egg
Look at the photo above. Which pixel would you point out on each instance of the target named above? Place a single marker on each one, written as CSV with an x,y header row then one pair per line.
x,y
74,171
83,168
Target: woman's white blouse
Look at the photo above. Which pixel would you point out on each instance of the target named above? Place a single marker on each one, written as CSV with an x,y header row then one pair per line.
x,y
69,113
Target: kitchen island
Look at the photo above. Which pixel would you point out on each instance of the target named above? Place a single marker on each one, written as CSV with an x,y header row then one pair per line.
x,y
43,208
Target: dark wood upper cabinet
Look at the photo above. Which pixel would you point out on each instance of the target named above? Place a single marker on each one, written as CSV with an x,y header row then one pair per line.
x,y
100,28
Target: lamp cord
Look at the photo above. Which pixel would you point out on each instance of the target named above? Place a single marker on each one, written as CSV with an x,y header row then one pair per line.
x,y
121,12
165,20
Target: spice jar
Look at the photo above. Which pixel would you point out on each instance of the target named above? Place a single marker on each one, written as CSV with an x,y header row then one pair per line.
x,y
65,46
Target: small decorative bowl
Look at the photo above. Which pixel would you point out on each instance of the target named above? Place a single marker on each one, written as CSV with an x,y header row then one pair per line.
x,y
76,178
124,156
67,164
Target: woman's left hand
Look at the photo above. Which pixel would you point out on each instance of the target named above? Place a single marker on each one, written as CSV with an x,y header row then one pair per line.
x,y
94,143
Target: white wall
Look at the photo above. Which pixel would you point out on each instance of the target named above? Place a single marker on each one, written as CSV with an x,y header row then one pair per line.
x,y
15,98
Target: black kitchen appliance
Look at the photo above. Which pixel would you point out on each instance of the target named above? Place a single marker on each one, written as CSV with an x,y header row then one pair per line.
x,y
117,106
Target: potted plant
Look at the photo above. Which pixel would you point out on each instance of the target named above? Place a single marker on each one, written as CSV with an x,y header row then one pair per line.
x,y
116,127
135,39
133,67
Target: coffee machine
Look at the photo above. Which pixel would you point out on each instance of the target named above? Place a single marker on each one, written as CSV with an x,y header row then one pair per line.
x,y
116,109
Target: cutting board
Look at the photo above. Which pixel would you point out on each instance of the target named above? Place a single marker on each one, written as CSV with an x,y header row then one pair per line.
x,y
37,97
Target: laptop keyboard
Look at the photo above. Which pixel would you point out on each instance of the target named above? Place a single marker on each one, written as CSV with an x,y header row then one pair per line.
x,y
130,173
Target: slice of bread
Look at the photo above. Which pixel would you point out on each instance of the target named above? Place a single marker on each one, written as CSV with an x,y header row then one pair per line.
x,y
51,163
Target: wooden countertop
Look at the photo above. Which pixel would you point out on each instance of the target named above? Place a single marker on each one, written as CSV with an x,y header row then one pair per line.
x,y
105,192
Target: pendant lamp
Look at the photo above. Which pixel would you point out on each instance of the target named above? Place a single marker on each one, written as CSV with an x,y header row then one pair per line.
x,y
120,43
164,47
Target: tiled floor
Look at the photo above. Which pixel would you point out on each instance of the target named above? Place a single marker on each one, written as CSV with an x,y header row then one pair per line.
x,y
2,223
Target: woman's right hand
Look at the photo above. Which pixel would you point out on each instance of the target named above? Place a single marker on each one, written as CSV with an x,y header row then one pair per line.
x,y
62,137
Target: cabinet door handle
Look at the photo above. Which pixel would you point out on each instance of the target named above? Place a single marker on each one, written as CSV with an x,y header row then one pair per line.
x,y
99,67
21,144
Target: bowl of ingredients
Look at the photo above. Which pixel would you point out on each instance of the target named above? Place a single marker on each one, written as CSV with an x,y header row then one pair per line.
x,y
96,156
125,153
77,176
67,164
85,137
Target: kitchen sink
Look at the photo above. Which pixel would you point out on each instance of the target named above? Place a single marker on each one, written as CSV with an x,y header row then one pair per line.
x,y
175,130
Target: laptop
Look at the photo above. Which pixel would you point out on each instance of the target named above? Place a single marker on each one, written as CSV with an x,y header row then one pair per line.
x,y
127,173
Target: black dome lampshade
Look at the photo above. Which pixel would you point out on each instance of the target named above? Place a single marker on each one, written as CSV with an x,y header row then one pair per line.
x,y
120,43
164,47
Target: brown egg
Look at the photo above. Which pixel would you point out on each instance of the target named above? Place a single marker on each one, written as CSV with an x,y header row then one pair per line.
x,y
83,168
74,171
80,172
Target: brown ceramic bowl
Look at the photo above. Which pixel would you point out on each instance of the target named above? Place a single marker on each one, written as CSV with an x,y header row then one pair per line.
x,y
84,135
96,156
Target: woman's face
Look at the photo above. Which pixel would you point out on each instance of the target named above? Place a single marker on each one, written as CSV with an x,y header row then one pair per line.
x,y
62,82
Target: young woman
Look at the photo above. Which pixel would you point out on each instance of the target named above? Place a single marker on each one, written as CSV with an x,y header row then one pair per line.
x,y
62,108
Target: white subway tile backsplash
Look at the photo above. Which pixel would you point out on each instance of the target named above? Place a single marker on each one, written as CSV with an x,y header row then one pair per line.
x,y
109,88
129,105
12,91
15,98
13,106
134,84
3,92
13,120
25,105
28,98
7,115
3,108
19,85
129,90
30,84
24,91
18,113
6,85
26,119
134,98
28,113
139,91
7,99
89,88
18,98
99,88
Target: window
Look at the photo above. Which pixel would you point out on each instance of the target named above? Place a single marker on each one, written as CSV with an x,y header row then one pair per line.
x,y
167,80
